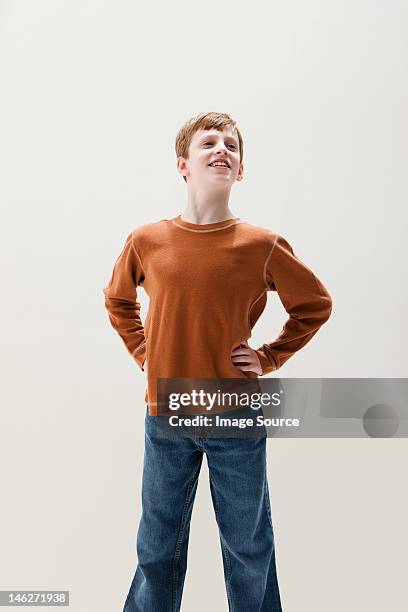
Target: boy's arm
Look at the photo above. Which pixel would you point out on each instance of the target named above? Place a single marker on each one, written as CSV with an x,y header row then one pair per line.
x,y
304,298
121,303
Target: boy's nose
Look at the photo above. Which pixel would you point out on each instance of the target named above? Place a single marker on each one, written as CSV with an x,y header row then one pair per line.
x,y
221,148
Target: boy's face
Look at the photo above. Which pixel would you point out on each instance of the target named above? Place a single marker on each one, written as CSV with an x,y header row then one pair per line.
x,y
206,146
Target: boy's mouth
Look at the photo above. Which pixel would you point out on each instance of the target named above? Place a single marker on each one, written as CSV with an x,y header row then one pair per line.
x,y
219,165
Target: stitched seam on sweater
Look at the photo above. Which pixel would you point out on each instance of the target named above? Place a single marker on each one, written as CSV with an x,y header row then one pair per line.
x,y
117,297
137,255
270,359
266,263
139,348
250,308
217,229
274,364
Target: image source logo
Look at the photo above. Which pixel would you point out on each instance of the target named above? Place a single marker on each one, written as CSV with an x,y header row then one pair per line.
x,y
292,407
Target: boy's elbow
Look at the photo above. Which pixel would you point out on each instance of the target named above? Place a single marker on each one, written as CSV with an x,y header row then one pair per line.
x,y
108,302
324,302
327,307
105,297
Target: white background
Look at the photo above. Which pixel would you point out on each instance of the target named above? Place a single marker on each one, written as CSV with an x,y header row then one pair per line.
x,y
92,95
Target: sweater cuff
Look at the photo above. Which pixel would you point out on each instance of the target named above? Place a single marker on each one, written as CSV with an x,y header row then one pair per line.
x,y
139,355
266,364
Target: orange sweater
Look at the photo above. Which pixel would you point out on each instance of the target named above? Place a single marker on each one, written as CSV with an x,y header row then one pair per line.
x,y
207,286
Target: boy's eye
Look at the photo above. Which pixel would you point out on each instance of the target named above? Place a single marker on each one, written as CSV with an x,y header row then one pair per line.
x,y
209,143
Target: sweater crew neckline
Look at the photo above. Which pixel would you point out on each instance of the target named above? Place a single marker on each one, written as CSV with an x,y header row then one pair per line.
x,y
204,227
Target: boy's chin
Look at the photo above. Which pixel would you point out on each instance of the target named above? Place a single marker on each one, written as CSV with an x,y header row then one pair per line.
x,y
219,177
218,184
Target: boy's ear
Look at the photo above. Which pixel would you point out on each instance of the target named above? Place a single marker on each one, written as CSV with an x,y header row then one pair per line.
x,y
240,174
181,166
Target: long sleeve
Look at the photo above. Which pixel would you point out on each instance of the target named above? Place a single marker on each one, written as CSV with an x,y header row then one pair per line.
x,y
121,303
304,298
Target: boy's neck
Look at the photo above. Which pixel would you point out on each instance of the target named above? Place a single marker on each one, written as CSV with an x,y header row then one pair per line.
x,y
207,207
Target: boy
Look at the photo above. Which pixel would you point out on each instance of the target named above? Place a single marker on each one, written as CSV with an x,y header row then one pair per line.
x,y
207,274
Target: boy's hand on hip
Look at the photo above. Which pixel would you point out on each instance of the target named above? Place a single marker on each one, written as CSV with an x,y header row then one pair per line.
x,y
246,359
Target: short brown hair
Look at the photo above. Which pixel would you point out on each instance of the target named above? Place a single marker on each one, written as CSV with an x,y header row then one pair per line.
x,y
205,121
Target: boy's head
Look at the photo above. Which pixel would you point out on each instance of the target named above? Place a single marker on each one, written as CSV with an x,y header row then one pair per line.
x,y
204,139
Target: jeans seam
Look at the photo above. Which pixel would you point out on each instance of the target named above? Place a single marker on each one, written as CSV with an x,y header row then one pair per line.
x,y
268,507
227,557
266,494
179,540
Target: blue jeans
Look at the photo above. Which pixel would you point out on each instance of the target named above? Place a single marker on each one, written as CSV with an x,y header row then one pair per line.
x,y
240,496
